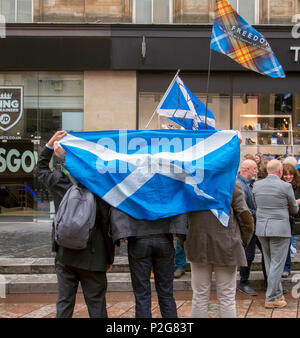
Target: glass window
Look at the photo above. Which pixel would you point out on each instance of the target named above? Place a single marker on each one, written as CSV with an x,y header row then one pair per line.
x,y
233,3
247,9
219,104
51,100
24,11
143,11
16,10
152,11
270,123
7,8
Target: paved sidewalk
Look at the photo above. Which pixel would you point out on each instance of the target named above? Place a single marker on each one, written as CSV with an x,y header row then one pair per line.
x,y
121,305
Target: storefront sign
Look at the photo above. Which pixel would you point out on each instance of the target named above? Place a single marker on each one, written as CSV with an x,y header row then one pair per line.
x,y
296,49
296,35
17,159
11,106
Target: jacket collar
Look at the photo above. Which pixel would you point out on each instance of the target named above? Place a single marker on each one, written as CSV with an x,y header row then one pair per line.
x,y
244,179
273,177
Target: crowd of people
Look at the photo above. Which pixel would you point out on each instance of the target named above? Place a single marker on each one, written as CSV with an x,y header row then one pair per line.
x,y
264,209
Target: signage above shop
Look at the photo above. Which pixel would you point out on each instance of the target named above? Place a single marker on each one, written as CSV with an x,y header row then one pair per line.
x,y
17,159
11,106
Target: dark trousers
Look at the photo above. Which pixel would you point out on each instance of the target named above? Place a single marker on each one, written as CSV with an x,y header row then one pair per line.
x,y
288,262
157,252
93,284
250,254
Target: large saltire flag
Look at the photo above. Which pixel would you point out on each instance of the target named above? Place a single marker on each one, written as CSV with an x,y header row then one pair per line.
x,y
234,37
180,105
154,174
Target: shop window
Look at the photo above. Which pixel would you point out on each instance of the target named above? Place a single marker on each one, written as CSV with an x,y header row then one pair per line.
x,y
249,10
270,123
219,104
51,101
152,11
17,11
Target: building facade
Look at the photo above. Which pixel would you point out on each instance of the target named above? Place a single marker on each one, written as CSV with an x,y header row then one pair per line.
x,y
83,65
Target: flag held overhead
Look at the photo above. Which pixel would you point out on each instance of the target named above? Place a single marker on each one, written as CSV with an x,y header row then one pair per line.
x,y
153,174
234,37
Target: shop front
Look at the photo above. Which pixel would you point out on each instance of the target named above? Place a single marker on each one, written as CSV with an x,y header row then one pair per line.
x,y
32,106
266,111
101,77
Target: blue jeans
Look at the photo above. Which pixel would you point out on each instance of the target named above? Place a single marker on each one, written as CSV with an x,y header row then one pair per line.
x,y
180,258
143,253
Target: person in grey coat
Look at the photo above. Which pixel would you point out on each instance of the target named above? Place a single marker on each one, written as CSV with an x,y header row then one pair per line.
x,y
210,246
275,201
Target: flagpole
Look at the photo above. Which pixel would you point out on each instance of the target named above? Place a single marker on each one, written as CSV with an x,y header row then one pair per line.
x,y
166,93
207,88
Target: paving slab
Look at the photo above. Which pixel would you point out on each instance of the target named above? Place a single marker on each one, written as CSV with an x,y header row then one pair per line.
x,y
122,305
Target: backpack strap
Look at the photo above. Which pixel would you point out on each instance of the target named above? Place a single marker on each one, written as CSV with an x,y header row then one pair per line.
x,y
72,179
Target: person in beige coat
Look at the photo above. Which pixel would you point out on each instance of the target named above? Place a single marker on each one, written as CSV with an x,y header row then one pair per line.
x,y
210,246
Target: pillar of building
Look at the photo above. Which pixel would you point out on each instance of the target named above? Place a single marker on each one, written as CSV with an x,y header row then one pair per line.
x,y
110,100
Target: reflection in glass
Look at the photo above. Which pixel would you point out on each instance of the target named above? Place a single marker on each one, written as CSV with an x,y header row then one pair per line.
x,y
48,97
219,104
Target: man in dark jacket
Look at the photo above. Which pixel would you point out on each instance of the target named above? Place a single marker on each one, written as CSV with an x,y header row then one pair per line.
x,y
150,245
87,266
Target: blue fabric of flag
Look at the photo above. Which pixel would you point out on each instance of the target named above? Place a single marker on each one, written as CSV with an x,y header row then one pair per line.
x,y
180,105
154,174
234,37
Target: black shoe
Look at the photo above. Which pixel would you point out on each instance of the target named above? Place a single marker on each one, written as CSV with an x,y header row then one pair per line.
x,y
247,289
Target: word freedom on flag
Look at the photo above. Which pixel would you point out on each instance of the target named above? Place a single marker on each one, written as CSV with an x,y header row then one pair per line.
x,y
234,37
154,174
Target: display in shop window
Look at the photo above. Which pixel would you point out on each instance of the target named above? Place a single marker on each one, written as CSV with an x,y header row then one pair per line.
x,y
11,106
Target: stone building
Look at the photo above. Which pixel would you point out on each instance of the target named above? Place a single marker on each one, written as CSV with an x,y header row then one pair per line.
x,y
85,65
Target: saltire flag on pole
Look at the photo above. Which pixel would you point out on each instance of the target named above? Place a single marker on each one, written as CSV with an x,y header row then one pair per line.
x,y
234,37
154,174
180,105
